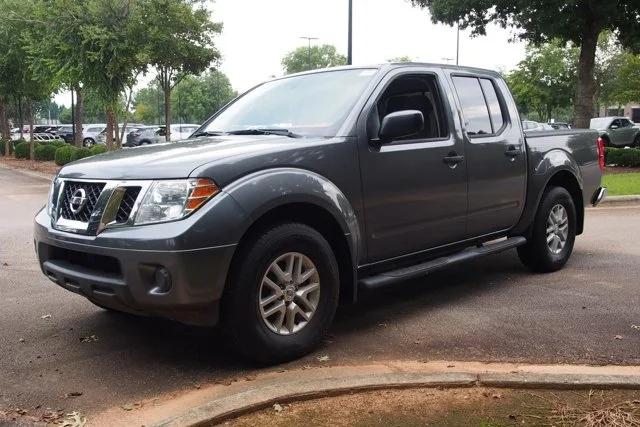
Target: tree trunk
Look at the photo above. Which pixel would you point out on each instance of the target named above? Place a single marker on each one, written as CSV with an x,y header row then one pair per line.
x,y
586,87
167,112
20,118
110,133
78,117
32,143
126,115
5,131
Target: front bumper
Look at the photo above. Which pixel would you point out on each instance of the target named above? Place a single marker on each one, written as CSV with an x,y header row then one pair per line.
x,y
117,269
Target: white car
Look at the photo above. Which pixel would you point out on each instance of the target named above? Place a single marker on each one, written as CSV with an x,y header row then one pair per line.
x,y
90,133
530,125
178,132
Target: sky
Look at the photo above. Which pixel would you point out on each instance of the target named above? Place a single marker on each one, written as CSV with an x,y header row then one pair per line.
x,y
258,33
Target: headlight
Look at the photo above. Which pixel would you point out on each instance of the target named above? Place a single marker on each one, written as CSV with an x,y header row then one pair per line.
x,y
169,200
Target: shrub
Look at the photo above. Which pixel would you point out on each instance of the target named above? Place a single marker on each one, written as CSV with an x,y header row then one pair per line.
x,y
98,149
64,154
22,150
3,145
46,152
57,144
625,157
80,153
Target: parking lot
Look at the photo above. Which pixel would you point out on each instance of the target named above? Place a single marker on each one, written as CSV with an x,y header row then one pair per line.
x,y
54,343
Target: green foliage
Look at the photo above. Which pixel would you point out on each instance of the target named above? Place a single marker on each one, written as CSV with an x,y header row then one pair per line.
x,y
98,149
544,82
304,59
65,154
400,59
577,21
45,152
57,144
80,153
625,157
194,99
22,150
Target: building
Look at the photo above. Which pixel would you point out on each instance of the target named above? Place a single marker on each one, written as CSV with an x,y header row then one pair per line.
x,y
631,110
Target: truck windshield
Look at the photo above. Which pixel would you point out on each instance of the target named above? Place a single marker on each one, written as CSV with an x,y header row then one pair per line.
x,y
308,105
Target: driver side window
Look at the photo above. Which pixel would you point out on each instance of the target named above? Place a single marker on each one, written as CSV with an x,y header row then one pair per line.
x,y
411,92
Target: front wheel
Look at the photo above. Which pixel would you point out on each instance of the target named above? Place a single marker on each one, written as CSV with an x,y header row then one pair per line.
x,y
282,294
553,233
88,142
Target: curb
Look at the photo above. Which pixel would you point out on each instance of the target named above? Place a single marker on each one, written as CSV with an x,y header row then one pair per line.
x,y
33,174
221,403
620,200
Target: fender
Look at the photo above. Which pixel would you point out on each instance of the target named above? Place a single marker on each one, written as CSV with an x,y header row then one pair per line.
x,y
262,191
543,167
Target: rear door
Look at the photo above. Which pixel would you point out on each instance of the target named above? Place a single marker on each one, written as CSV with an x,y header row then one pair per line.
x,y
616,133
627,131
495,153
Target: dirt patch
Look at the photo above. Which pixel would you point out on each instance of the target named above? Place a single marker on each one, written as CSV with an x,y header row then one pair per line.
x,y
613,170
456,407
42,167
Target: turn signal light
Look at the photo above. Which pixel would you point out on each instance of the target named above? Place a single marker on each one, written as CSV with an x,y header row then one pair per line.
x,y
203,190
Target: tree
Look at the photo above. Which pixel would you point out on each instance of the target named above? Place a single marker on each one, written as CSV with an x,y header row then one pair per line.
x,y
304,58
400,59
180,44
539,21
629,79
545,80
194,99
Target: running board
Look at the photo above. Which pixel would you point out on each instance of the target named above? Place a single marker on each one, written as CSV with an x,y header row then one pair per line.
x,y
418,270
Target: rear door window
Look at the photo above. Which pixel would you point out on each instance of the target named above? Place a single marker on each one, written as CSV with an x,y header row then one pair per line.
x,y
495,111
474,106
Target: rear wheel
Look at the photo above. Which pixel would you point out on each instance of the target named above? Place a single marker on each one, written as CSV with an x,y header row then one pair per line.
x,y
282,294
553,233
88,142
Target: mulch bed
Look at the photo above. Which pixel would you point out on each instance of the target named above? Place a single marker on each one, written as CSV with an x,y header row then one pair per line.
x,y
43,167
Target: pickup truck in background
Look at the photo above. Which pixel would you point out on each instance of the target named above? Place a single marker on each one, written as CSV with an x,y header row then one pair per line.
x,y
617,131
310,188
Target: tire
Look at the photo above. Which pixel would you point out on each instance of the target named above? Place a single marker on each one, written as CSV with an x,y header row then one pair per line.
x,y
88,142
539,256
254,337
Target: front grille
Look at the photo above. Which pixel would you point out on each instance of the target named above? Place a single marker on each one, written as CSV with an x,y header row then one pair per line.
x,y
126,205
92,192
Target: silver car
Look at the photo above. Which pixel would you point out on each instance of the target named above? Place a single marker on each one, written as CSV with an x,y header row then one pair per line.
x,y
617,131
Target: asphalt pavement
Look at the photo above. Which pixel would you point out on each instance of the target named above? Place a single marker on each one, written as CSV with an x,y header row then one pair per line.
x,y
53,342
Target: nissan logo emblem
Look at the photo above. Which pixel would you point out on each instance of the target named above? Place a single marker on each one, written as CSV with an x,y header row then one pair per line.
x,y
78,200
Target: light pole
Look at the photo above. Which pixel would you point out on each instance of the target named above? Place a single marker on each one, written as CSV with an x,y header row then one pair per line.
x,y
458,45
309,48
350,35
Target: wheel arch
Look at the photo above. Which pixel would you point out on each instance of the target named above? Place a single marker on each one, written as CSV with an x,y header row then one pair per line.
x,y
282,195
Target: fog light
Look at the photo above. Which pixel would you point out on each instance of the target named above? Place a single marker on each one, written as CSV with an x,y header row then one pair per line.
x,y
162,281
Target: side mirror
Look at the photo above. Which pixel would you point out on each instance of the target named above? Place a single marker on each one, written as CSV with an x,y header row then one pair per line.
x,y
401,124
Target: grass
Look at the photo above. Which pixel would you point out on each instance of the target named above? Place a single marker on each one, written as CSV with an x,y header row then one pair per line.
x,y
622,184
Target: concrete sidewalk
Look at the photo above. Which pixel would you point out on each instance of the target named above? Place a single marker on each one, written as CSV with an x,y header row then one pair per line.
x,y
235,397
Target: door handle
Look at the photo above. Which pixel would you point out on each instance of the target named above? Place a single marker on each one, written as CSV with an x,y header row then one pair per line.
x,y
452,159
513,151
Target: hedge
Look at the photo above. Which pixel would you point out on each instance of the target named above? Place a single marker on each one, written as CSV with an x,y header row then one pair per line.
x,y
3,144
45,152
98,149
64,154
80,153
625,157
22,150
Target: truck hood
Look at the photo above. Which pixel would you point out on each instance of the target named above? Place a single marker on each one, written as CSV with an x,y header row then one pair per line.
x,y
176,159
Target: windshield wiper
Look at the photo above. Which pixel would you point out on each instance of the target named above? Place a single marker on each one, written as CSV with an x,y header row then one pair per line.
x,y
265,131
208,133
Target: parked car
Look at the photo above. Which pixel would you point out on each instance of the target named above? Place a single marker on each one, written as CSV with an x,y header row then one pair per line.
x,y
102,136
391,173
617,131
559,125
143,135
65,132
178,132
46,137
530,125
90,133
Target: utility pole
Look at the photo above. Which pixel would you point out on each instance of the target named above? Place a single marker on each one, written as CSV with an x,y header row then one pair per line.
x,y
458,45
350,35
309,49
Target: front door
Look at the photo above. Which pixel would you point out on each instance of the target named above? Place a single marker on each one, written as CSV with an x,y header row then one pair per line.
x,y
414,188
495,153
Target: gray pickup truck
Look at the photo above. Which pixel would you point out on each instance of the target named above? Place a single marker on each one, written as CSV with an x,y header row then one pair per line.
x,y
311,188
